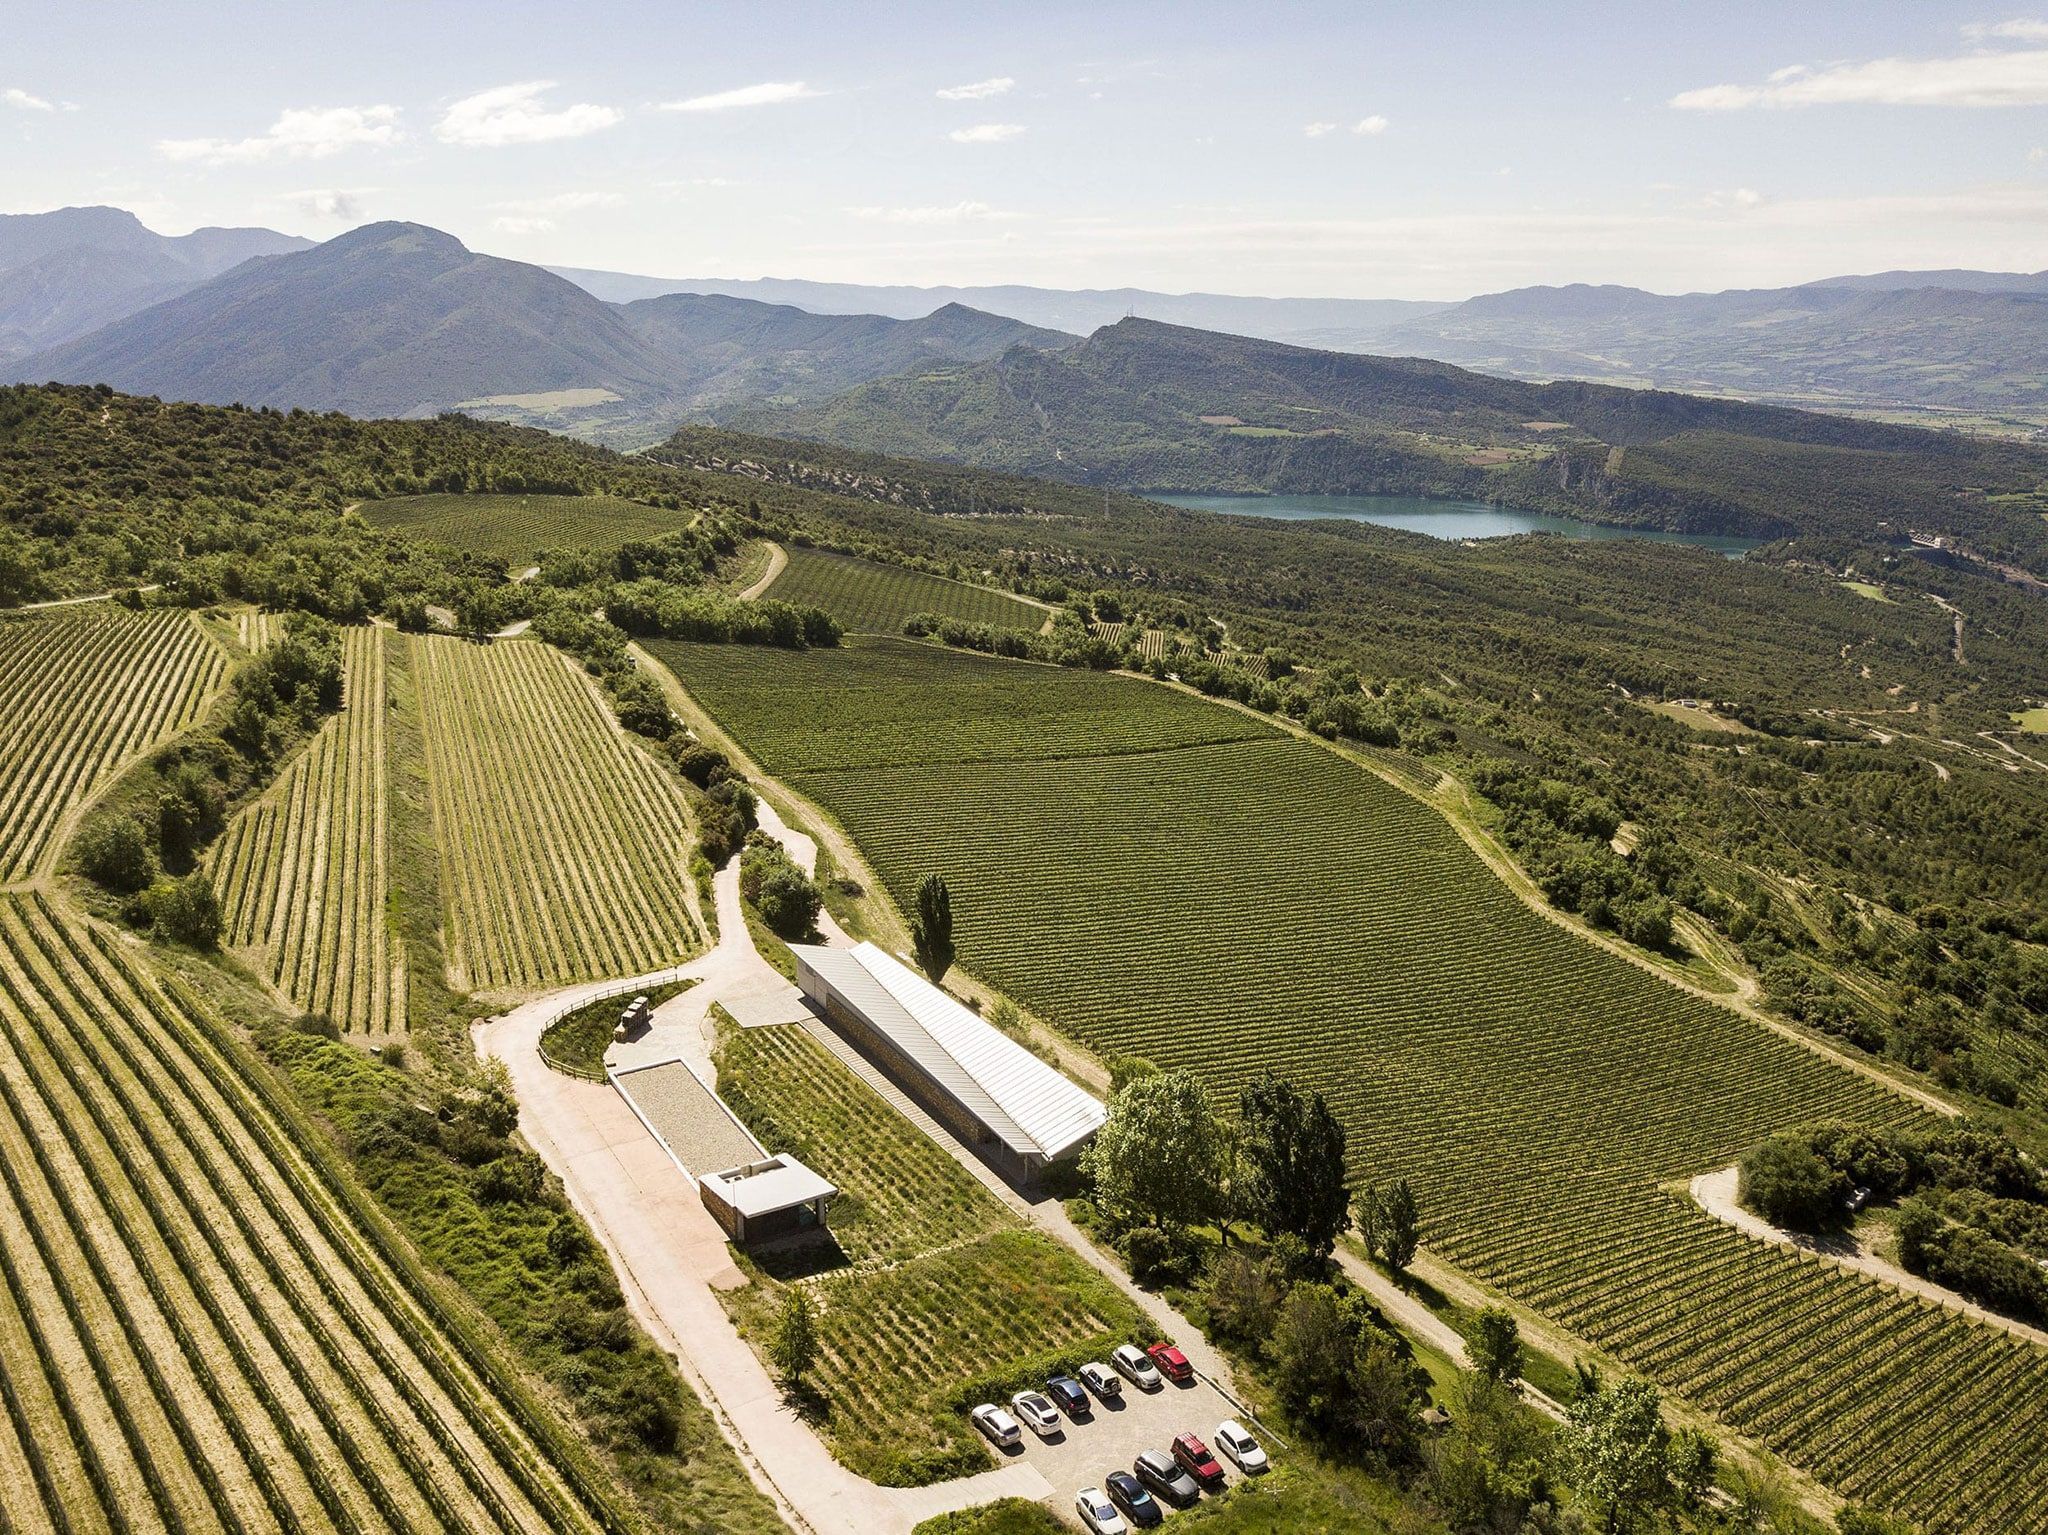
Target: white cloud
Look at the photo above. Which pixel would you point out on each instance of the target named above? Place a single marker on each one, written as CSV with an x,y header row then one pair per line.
x,y
520,225
980,90
1370,127
767,94
1317,130
955,213
514,114
1983,78
22,101
986,133
563,202
2020,28
300,133
2036,155
330,202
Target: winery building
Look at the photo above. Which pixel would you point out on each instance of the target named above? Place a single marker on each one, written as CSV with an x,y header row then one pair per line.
x,y
1018,1113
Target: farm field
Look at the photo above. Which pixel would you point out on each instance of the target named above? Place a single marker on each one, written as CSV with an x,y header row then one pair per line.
x,y
899,700
941,1287
869,597
197,1333
303,874
1231,904
564,849
85,691
519,527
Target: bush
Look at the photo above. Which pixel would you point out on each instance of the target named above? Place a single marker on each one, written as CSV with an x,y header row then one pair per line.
x,y
114,853
642,708
787,899
705,766
186,910
1785,1181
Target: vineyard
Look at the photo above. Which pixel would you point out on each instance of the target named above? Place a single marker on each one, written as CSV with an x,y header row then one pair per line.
x,y
1233,904
84,692
944,1287
514,527
564,849
303,873
196,1333
873,598
896,700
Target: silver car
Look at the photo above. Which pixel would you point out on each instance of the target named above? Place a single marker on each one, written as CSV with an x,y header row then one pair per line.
x,y
1135,1366
997,1426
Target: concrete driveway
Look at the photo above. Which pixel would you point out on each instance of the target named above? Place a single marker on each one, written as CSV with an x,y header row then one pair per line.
x,y
1109,1439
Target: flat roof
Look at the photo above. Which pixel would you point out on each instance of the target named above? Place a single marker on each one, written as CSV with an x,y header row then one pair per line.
x,y
1030,1106
764,1187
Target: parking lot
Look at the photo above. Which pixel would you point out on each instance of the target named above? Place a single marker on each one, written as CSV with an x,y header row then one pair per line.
x,y
1109,1439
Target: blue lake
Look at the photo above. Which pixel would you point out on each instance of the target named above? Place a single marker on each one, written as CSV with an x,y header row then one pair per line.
x,y
1443,519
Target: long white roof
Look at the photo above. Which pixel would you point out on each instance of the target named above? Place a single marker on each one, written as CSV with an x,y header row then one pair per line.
x,y
1025,1102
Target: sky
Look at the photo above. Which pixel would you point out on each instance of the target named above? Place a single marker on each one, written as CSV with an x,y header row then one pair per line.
x,y
1347,150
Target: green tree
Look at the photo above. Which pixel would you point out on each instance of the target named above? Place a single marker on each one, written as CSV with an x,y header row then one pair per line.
x,y
1242,1295
1497,1347
931,930
187,910
1291,1162
1694,1460
1785,1181
793,1349
1157,1158
115,853
1615,1452
1390,1223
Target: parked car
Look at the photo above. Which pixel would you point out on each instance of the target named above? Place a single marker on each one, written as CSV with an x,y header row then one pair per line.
x,y
1193,1457
1236,1441
1157,1470
1100,1379
999,1427
1171,1362
1132,1500
1098,1513
1067,1391
1137,1367
1036,1411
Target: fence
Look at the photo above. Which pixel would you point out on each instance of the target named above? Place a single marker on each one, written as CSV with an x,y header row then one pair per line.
x,y
580,1001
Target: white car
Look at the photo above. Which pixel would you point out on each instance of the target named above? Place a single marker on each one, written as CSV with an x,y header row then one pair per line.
x,y
1100,1379
1035,1410
1236,1441
1098,1513
998,1426
1133,1363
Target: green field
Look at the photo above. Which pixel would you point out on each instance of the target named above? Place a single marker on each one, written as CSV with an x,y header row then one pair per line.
x,y
564,848
1230,904
2033,721
522,527
935,1285
873,598
84,691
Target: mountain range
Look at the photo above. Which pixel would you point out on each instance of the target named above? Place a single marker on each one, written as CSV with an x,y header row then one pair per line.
x,y
68,272
402,320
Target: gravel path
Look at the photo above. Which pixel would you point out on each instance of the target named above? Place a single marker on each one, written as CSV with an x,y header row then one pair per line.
x,y
688,1118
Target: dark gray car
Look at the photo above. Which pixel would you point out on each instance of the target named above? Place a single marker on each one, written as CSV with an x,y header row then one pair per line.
x,y
1160,1475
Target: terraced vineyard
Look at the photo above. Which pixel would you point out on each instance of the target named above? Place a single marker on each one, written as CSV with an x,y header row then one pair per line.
x,y
945,1287
1232,904
303,873
869,597
85,691
564,849
196,1334
516,527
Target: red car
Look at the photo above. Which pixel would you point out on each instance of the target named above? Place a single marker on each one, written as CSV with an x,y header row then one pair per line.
x,y
1193,1457
1171,1362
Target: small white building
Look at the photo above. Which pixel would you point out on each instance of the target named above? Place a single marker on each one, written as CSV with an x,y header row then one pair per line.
x,y
768,1200
1020,1114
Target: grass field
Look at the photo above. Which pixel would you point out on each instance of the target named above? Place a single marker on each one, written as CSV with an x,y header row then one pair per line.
x,y
940,1285
522,527
2033,721
196,1335
1869,589
303,873
1237,903
564,848
84,691
873,598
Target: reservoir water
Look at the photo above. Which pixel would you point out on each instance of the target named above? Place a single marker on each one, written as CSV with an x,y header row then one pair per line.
x,y
1444,519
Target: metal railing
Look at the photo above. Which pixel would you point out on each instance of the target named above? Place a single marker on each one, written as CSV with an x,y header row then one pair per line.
x,y
620,989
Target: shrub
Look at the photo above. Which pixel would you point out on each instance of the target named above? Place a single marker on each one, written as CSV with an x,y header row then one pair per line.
x,y
186,910
641,707
114,853
1785,1181
787,899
